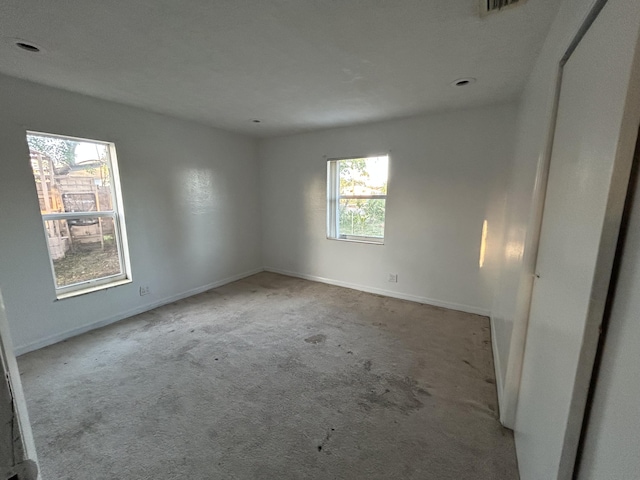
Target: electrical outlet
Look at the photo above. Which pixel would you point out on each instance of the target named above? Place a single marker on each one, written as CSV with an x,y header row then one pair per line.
x,y
145,290
393,278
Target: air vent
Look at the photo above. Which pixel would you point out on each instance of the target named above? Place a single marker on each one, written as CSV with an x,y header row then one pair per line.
x,y
494,6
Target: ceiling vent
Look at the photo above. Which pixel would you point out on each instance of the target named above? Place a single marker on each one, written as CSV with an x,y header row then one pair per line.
x,y
494,6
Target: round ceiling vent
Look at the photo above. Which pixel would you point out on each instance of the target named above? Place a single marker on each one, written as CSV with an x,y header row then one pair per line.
x,y
26,45
463,82
29,47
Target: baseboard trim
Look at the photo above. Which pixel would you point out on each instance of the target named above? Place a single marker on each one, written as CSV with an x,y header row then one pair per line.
x,y
497,365
386,293
30,347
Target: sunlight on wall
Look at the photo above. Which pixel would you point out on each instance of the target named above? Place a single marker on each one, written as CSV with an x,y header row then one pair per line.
x,y
483,243
315,216
514,250
198,192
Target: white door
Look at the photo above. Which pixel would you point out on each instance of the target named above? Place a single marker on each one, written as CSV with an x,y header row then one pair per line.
x,y
17,451
588,175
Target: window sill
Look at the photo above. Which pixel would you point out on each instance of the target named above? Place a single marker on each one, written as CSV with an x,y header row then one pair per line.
x,y
95,288
359,240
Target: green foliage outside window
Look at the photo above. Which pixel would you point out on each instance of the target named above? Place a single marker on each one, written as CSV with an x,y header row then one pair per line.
x,y
362,216
60,150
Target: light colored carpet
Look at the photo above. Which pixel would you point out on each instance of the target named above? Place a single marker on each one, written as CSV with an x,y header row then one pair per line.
x,y
272,377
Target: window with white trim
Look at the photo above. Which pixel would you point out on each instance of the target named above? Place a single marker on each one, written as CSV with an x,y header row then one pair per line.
x,y
80,201
356,198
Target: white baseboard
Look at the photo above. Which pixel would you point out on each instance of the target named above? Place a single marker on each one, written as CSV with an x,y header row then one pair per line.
x,y
22,349
497,365
387,293
58,337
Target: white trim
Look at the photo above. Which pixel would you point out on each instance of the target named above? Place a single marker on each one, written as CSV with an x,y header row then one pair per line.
x,y
47,217
363,197
497,365
387,293
95,287
357,239
12,374
58,337
30,347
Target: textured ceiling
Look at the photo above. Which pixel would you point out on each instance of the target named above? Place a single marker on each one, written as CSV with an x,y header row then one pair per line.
x,y
296,65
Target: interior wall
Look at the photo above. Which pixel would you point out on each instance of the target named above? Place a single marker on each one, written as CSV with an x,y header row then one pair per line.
x,y
190,200
611,443
447,174
526,184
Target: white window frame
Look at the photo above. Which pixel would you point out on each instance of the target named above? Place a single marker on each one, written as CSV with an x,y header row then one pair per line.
x,y
333,203
120,232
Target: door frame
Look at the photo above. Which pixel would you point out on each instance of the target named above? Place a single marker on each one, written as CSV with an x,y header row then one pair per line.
x,y
26,465
632,197
517,343
624,155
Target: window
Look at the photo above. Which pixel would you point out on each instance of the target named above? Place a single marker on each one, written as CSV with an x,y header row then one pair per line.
x,y
356,198
79,194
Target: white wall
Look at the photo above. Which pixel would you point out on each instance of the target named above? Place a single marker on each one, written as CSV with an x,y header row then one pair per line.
x,y
511,302
191,205
611,446
447,174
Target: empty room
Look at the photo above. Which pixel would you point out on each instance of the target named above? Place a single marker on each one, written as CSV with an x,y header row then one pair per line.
x,y
319,239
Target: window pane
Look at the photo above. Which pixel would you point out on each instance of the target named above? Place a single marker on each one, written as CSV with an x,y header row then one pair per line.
x,y
70,175
83,249
75,176
362,217
364,176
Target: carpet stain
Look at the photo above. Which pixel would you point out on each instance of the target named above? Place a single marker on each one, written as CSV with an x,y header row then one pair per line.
x,y
70,437
326,439
211,329
316,339
367,365
183,351
471,365
400,394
